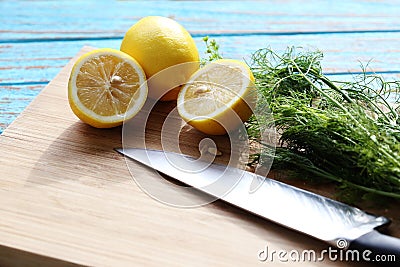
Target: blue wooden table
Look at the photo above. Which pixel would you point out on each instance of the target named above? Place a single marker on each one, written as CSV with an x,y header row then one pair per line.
x,y
38,38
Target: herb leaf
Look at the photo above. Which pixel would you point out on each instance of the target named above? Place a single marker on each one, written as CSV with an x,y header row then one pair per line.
x,y
212,50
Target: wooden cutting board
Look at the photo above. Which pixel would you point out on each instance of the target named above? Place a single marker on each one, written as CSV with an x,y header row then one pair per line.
x,y
67,198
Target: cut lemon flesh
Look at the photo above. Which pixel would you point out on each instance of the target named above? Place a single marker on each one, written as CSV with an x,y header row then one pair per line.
x,y
106,87
219,97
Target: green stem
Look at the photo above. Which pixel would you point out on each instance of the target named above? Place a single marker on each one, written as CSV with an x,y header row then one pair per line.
x,y
334,87
331,177
329,97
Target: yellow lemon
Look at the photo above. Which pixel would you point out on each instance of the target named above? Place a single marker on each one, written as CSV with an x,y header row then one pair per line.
x,y
219,97
158,43
105,87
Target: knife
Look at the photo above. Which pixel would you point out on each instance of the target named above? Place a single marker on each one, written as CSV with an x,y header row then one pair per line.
x,y
336,223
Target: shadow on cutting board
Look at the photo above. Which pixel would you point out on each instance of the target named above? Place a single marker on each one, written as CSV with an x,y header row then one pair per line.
x,y
79,153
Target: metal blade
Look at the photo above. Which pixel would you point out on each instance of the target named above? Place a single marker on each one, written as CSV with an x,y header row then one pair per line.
x,y
312,214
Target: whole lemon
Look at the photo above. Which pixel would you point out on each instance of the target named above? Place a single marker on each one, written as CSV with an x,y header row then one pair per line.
x,y
162,44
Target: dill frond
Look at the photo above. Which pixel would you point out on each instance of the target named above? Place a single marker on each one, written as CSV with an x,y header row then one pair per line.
x,y
347,132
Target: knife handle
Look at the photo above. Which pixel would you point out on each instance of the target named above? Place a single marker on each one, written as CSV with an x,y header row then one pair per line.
x,y
378,248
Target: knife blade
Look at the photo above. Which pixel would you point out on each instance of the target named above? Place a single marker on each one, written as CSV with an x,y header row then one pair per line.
x,y
314,215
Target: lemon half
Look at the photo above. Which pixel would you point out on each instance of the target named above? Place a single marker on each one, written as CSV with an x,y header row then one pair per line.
x,y
106,86
219,97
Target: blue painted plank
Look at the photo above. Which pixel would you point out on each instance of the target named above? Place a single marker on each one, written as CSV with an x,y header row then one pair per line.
x,y
13,100
40,62
66,19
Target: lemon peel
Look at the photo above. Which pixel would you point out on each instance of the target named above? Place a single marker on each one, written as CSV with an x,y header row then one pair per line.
x,y
158,43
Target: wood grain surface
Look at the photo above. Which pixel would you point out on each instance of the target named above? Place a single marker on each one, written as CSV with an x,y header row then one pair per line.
x,y
67,198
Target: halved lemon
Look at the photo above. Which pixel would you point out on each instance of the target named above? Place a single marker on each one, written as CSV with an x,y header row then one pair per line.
x,y
219,97
106,87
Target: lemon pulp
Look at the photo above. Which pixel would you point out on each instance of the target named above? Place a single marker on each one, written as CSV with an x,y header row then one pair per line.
x,y
218,97
106,86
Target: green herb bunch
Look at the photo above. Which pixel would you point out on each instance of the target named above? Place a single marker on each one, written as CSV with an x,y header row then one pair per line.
x,y
347,132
